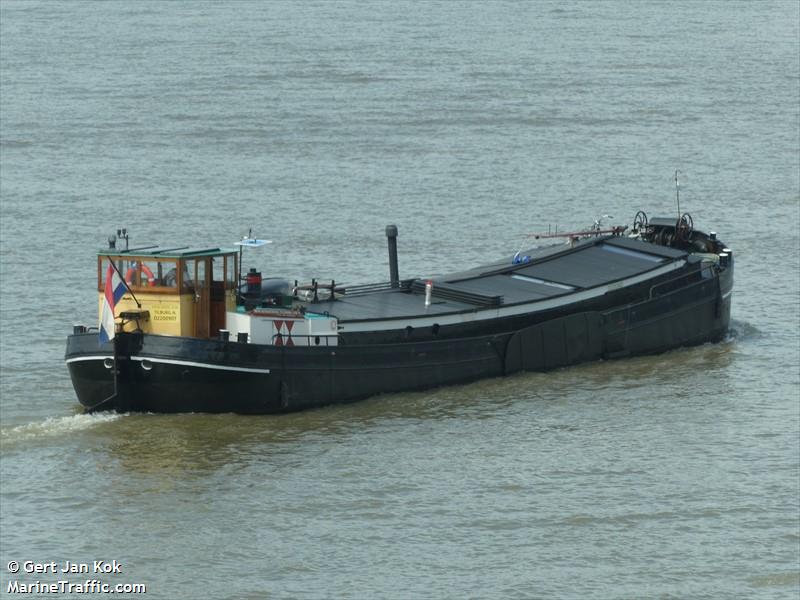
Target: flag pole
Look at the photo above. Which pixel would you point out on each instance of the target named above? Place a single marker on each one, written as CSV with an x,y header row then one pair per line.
x,y
125,283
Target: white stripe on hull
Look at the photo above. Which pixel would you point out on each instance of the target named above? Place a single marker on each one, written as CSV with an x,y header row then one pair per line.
x,y
169,361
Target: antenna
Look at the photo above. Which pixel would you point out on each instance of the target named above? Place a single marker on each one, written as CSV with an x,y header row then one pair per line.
x,y
123,235
678,193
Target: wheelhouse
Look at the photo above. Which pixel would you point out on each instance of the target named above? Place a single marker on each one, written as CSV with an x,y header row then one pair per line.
x,y
172,291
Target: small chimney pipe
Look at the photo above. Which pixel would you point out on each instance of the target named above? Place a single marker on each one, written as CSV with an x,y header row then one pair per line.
x,y
391,236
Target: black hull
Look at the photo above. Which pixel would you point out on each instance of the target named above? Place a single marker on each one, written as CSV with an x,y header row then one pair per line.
x,y
173,374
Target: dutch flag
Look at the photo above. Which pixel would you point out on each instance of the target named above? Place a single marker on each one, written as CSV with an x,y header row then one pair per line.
x,y
115,289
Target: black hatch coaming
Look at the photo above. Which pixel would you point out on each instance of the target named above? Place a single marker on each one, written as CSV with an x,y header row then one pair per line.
x,y
551,274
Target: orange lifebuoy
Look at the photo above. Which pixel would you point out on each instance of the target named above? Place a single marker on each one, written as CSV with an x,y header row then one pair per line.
x,y
151,279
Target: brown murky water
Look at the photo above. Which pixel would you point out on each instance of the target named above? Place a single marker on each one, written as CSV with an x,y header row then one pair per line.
x,y
468,125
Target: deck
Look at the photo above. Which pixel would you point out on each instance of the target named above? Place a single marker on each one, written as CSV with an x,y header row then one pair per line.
x,y
552,271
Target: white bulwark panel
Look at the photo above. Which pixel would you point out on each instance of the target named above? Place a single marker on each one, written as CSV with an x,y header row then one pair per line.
x,y
287,328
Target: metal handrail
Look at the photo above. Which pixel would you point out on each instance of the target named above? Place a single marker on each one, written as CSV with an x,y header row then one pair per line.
x,y
447,292
305,335
368,288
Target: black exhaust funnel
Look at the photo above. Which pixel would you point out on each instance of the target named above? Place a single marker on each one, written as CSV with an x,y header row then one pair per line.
x,y
391,236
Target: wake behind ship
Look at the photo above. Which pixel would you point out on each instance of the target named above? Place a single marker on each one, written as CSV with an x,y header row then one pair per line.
x,y
181,330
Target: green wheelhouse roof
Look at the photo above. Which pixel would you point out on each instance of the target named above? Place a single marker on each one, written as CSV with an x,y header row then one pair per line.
x,y
173,252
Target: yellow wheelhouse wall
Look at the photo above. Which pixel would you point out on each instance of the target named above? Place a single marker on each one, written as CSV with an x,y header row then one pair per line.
x,y
171,310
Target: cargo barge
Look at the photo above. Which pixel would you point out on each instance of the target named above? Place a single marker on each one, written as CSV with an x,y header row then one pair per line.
x,y
182,330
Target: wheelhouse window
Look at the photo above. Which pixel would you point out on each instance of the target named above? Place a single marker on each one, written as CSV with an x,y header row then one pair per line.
x,y
224,271
229,265
103,264
175,275
140,273
193,273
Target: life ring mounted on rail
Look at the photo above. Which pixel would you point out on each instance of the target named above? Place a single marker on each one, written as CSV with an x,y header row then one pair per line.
x,y
151,279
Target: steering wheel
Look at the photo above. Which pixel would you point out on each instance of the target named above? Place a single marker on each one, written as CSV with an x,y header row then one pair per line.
x,y
684,227
640,221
